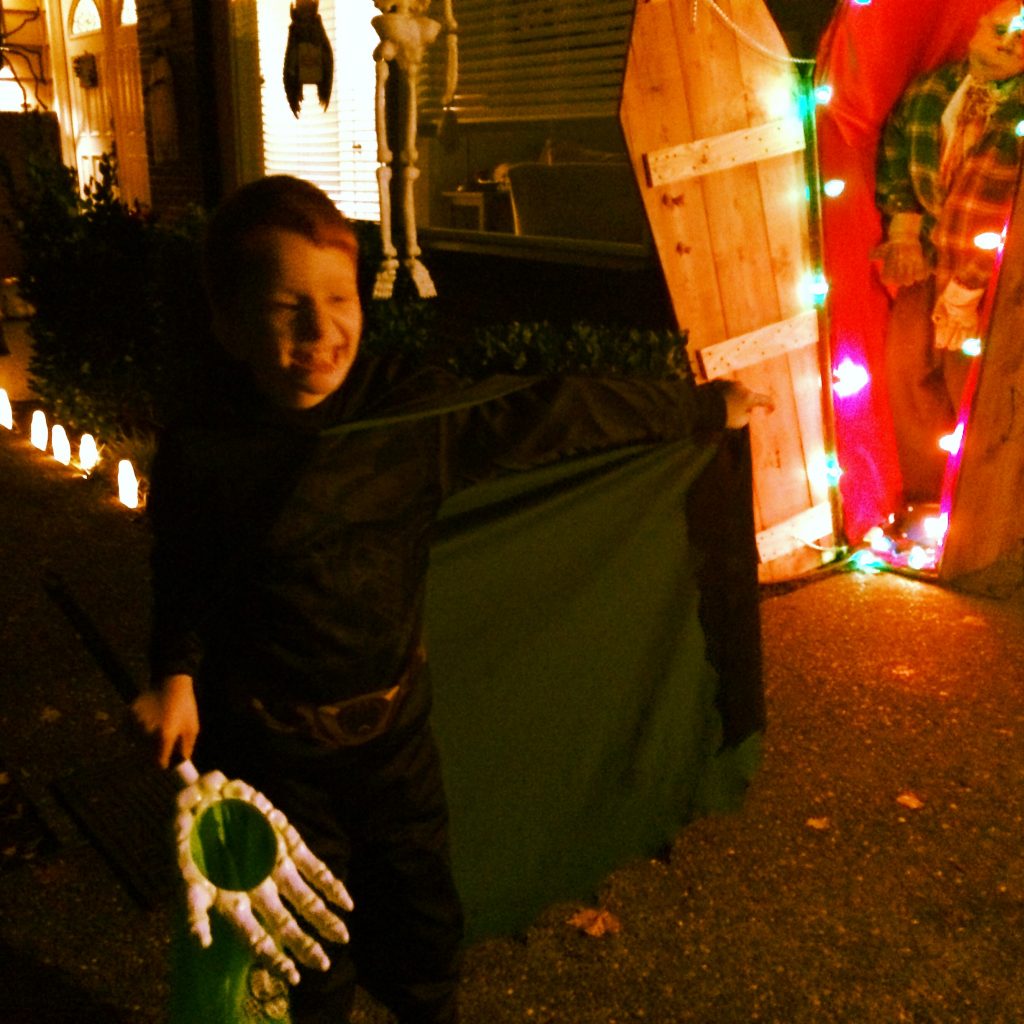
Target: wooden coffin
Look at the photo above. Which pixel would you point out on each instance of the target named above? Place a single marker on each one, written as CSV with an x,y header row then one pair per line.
x,y
711,120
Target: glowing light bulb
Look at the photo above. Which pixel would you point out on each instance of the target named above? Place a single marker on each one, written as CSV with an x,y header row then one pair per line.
x,y
127,485
813,289
848,378
861,3
60,445
834,187
936,527
971,347
951,442
989,240
919,558
866,561
823,95
6,412
39,434
88,453
877,539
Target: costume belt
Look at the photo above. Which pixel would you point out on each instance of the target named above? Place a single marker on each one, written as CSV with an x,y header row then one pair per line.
x,y
345,723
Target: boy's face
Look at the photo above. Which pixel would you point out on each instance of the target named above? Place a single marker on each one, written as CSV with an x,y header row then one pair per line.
x,y
297,320
996,50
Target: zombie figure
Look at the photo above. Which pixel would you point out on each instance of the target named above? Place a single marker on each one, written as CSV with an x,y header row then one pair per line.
x,y
947,175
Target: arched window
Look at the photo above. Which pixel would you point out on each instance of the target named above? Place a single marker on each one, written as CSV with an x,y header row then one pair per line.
x,y
85,18
128,13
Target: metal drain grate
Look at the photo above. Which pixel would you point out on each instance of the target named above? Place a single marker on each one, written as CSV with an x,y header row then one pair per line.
x,y
126,808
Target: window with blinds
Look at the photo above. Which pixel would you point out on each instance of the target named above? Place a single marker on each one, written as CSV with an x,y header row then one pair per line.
x,y
532,60
336,148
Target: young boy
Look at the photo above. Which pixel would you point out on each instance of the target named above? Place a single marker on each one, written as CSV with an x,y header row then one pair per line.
x,y
291,539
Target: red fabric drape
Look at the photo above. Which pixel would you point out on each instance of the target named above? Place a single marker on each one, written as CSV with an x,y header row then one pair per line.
x,y
869,55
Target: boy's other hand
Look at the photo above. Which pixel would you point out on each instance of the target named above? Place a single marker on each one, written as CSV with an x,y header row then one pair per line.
x,y
170,714
740,402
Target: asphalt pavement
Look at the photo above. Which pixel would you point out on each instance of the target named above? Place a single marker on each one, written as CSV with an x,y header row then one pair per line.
x,y
873,875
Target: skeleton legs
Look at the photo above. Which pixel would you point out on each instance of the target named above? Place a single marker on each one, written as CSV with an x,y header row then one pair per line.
x,y
408,171
385,283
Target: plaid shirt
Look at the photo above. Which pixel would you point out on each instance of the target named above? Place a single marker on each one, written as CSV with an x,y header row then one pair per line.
x,y
980,195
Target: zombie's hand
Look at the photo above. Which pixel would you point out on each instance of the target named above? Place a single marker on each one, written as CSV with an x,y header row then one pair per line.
x,y
257,913
901,254
956,316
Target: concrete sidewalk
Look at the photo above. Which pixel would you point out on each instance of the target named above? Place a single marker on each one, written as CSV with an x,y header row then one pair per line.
x,y
874,875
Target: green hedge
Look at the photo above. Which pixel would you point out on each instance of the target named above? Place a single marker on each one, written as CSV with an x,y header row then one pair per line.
x,y
120,322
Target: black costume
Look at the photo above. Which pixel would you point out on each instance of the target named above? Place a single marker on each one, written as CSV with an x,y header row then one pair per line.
x,y
290,559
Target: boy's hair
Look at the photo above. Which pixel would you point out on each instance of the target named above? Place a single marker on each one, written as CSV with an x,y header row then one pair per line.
x,y
279,201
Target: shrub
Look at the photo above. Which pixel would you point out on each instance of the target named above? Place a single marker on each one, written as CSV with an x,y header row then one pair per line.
x,y
118,313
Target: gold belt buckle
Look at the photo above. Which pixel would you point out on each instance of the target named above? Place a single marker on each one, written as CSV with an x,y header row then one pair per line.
x,y
350,722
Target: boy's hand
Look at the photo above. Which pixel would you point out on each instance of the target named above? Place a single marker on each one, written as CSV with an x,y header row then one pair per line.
x,y
171,715
740,402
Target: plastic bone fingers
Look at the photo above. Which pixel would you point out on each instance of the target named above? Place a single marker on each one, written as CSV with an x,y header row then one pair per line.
x,y
258,915
236,907
282,925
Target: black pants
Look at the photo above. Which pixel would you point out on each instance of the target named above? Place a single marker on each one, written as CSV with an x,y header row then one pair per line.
x,y
378,817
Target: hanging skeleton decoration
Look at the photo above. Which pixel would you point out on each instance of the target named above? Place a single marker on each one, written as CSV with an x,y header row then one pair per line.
x,y
308,58
405,33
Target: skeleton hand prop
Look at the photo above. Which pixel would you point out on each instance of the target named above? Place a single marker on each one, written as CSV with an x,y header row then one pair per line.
x,y
253,906
956,316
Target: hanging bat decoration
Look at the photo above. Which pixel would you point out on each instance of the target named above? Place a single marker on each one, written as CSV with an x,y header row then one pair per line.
x,y
308,58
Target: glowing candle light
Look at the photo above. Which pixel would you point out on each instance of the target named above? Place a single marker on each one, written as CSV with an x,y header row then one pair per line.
x,y
60,445
823,95
989,240
39,434
848,378
971,347
951,442
6,412
88,453
127,485
834,187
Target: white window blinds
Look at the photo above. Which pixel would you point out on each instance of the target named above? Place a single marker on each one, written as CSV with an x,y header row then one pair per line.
x,y
530,60
336,148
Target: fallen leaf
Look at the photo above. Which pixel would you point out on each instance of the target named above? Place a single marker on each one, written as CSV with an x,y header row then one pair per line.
x,y
595,922
821,824
50,714
910,800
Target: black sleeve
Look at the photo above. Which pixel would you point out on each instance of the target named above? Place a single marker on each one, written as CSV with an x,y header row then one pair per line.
x,y
554,418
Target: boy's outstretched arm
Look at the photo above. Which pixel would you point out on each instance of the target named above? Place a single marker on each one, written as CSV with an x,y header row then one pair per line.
x,y
169,713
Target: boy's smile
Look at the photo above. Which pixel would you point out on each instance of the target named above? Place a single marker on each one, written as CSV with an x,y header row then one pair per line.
x,y
298,319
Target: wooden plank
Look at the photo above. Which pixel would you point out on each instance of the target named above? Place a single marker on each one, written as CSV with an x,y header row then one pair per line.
x,y
733,241
984,550
655,113
810,527
707,156
758,346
